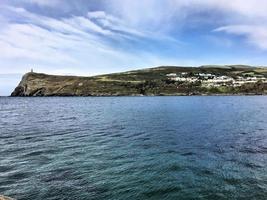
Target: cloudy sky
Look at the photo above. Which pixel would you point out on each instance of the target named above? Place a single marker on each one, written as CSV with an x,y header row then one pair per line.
x,y
88,37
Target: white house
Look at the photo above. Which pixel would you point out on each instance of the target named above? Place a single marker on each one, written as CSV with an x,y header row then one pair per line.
x,y
171,75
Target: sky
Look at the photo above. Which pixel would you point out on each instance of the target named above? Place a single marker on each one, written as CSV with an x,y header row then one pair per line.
x,y
89,37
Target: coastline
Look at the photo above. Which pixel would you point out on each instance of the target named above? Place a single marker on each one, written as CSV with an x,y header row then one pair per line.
x,y
160,81
165,95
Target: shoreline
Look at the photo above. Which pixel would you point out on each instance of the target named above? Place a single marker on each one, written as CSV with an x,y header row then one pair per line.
x,y
171,95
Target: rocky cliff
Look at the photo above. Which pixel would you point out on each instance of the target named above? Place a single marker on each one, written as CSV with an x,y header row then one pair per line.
x,y
151,81
37,84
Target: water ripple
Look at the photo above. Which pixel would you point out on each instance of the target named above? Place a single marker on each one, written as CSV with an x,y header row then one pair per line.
x,y
133,148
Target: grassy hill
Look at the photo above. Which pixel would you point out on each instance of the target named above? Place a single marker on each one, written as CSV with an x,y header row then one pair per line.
x,y
152,81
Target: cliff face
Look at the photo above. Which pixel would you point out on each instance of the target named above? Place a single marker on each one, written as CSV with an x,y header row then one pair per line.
x,y
153,81
35,84
21,89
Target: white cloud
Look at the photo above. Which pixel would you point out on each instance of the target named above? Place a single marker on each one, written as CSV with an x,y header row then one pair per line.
x,y
48,3
86,25
97,15
256,35
115,24
72,39
75,44
177,15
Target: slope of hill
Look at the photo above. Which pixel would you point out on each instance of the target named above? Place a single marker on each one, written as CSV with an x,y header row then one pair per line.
x,y
152,81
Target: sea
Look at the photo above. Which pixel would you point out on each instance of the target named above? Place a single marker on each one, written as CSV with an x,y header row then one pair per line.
x,y
124,148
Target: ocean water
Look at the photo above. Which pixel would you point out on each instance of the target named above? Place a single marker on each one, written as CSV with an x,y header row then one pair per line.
x,y
134,148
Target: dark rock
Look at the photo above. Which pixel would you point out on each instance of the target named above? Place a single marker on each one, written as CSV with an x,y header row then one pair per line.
x,y
19,91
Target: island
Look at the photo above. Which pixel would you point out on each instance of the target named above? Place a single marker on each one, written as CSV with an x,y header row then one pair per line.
x,y
158,81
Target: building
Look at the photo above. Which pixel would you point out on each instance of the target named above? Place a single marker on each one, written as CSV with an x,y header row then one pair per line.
x,y
171,75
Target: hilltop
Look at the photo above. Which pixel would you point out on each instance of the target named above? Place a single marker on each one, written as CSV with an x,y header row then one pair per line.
x,y
164,80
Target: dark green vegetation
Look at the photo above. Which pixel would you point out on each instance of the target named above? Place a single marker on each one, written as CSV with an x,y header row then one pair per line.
x,y
151,81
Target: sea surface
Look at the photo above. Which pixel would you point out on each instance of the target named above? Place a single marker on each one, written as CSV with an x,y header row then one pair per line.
x,y
126,148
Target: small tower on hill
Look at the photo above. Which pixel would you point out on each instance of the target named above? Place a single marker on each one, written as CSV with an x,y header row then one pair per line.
x,y
31,70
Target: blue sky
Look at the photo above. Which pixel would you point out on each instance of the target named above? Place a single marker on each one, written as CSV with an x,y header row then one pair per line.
x,y
88,37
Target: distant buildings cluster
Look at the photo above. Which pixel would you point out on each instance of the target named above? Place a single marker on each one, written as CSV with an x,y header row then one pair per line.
x,y
211,80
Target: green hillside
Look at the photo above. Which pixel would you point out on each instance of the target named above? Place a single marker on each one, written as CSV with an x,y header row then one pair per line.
x,y
152,81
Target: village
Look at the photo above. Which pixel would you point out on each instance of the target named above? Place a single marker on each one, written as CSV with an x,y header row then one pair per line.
x,y
212,80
